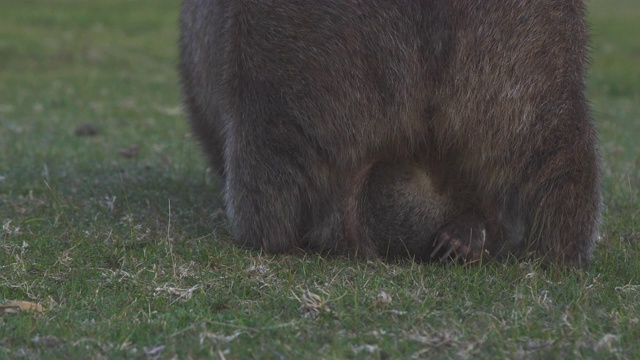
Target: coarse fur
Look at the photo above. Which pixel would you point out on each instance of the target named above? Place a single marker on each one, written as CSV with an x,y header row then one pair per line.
x,y
428,129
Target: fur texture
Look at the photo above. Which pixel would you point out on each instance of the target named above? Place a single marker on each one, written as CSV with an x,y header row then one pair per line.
x,y
429,129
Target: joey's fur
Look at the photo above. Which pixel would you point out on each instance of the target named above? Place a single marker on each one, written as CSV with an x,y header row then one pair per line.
x,y
419,128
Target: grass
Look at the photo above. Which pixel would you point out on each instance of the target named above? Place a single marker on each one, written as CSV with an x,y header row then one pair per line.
x,y
112,234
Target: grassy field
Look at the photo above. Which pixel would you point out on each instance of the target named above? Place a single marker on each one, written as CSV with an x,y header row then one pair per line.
x,y
109,222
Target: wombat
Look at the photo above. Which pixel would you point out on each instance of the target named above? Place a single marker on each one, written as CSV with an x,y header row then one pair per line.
x,y
430,129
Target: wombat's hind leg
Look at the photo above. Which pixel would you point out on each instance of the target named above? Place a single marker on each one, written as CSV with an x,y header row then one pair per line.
x,y
267,175
263,205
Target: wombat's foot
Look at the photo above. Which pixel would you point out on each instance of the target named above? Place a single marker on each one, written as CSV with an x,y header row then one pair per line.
x,y
463,240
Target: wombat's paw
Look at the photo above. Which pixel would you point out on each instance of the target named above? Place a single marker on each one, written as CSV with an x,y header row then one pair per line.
x,y
461,241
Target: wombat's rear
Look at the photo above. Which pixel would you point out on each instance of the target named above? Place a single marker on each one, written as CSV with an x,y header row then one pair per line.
x,y
429,129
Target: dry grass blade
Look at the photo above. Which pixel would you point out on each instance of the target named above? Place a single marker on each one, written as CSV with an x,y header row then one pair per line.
x,y
182,294
433,340
154,353
312,304
383,299
14,307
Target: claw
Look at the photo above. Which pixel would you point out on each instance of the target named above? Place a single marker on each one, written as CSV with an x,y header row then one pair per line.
x,y
462,242
458,258
446,255
439,245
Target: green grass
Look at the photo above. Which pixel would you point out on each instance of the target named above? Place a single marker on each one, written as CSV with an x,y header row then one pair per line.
x,y
124,253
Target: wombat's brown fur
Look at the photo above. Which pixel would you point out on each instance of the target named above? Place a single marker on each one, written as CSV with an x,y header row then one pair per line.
x,y
420,128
